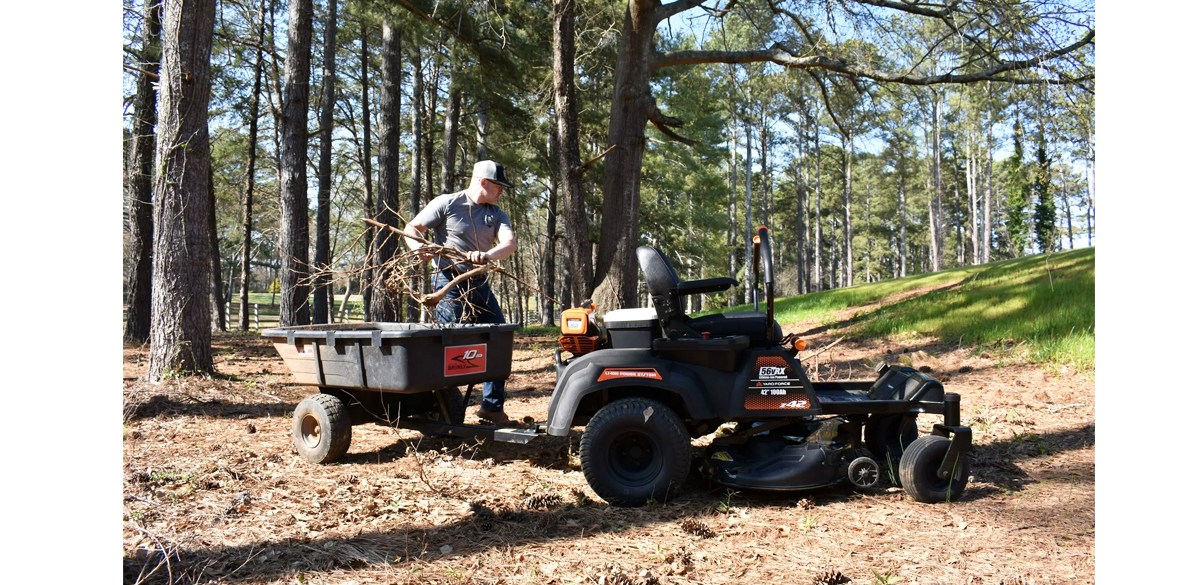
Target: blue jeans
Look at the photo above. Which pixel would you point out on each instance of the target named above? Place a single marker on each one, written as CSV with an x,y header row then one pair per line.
x,y
480,307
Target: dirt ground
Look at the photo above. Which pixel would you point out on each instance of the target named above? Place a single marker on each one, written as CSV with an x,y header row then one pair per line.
x,y
214,492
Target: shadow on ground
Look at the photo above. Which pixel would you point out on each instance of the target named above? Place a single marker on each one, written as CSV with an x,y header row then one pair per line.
x,y
485,528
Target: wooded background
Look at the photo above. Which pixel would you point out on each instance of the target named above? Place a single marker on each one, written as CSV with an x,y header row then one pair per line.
x,y
877,138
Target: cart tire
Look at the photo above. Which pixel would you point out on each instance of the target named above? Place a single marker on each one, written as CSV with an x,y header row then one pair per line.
x,y
321,428
919,466
888,435
635,450
449,406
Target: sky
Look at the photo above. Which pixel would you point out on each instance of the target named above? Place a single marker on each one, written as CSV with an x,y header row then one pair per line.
x,y
62,225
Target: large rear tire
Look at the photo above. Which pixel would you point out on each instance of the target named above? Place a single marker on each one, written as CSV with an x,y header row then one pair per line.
x,y
635,450
321,428
919,471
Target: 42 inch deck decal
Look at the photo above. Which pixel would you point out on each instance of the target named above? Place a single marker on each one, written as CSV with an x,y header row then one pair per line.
x,y
461,360
775,386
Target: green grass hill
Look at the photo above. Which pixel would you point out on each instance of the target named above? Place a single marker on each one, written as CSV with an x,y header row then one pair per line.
x,y
1040,308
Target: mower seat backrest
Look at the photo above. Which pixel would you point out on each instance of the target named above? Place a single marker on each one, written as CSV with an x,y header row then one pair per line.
x,y
667,292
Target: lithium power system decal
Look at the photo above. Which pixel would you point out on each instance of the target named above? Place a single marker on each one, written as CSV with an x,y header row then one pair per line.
x,y
461,360
775,386
643,373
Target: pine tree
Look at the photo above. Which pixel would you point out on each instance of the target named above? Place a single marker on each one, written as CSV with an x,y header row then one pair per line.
x,y
1016,200
1043,210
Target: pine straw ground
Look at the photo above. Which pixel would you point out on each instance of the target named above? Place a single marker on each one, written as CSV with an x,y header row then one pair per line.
x,y
213,492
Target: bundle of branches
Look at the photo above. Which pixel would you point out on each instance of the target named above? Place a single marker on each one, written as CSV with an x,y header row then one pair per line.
x,y
400,274
400,277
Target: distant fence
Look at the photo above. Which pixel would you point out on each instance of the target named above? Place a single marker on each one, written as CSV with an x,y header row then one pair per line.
x,y
266,315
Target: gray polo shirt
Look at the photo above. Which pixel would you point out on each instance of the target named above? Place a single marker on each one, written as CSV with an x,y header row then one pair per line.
x,y
459,223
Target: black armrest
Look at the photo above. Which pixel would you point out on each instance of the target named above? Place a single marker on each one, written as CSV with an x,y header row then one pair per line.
x,y
707,285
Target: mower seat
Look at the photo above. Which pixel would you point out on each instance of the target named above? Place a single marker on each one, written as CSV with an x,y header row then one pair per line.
x,y
667,292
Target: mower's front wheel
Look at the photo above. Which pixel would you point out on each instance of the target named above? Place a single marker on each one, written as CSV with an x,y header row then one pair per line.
x,y
919,471
635,450
321,428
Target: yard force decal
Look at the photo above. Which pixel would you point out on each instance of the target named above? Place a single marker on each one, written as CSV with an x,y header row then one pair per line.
x,y
615,373
461,360
775,386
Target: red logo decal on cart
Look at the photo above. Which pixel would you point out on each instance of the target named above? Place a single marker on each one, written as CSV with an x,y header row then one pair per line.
x,y
465,359
615,373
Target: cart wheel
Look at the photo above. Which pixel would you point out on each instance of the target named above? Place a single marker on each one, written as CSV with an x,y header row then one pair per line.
x,y
888,435
449,406
321,428
919,471
634,450
864,473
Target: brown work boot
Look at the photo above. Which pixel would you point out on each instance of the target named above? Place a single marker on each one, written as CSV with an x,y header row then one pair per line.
x,y
497,418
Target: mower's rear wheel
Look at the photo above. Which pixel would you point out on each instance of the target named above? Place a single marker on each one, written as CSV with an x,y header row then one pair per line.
x,y
635,450
321,428
919,471
888,435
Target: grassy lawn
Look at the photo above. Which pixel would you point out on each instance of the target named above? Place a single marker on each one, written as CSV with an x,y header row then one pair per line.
x,y
1039,308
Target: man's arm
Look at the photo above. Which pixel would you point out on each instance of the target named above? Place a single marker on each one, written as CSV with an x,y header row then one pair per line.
x,y
416,233
506,244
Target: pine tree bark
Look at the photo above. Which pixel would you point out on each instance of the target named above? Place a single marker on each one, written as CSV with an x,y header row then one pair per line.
x,y
322,295
935,201
415,200
616,270
251,169
139,180
847,228
569,169
365,154
218,289
180,309
388,200
450,126
747,224
294,307
549,253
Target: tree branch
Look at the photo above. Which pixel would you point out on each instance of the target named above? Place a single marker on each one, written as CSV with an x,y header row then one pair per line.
x,y
780,55
664,123
912,7
666,11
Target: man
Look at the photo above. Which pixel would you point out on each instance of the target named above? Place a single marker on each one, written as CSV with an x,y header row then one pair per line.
x,y
469,221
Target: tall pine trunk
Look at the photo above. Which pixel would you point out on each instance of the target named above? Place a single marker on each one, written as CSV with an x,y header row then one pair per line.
x,y
450,126
251,169
847,229
569,171
387,202
615,284
937,238
218,289
180,311
546,276
139,179
415,200
293,173
368,173
321,286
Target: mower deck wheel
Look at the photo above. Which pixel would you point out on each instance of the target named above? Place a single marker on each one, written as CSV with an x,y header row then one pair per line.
x,y
919,471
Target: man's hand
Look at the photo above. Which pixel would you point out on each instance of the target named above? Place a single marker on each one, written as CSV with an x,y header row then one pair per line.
x,y
426,252
477,257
